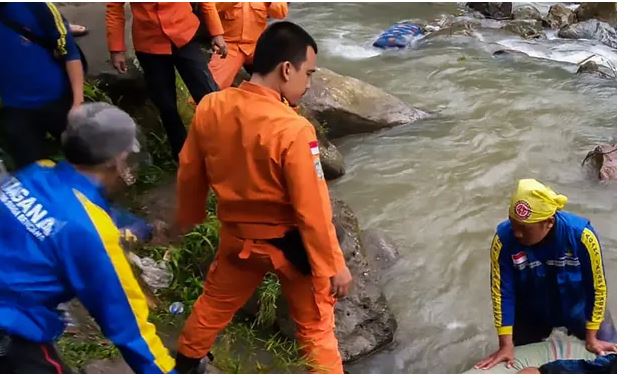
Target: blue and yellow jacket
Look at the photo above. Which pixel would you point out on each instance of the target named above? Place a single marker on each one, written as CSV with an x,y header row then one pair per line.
x,y
57,242
560,282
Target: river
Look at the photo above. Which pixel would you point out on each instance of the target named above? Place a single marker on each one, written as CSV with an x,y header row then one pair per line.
x,y
439,187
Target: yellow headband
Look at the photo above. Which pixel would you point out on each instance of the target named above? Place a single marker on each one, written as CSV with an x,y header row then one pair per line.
x,y
533,202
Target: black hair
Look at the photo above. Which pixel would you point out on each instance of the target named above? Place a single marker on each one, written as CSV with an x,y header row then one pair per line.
x,y
281,42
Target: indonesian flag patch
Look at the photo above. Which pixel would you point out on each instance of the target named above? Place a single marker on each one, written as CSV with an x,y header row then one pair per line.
x,y
313,146
315,151
519,258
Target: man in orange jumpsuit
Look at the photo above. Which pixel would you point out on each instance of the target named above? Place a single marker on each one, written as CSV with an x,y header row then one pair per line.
x,y
163,39
241,24
262,161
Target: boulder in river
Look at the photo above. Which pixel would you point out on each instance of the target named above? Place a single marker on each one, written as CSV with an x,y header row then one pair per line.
x,y
559,16
363,321
591,67
380,250
346,105
604,158
498,11
592,29
526,12
606,12
527,29
330,157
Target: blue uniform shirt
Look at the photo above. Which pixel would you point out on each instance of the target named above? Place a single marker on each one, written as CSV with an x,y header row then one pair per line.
x,y
30,76
398,35
57,242
560,282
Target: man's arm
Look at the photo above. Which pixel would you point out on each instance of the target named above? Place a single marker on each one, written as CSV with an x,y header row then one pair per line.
x,y
503,297
192,182
310,198
102,279
277,10
115,26
211,18
595,286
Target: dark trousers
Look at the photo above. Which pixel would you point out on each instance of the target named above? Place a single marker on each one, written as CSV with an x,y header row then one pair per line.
x,y
19,356
159,71
25,129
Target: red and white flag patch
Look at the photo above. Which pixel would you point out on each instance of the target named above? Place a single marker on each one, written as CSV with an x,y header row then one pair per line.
x,y
313,146
519,258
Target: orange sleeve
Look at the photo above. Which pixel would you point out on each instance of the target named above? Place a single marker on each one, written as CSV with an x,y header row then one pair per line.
x,y
192,183
115,26
277,10
211,18
309,195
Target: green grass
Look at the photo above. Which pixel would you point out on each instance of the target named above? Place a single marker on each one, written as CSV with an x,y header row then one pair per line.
x,y
76,352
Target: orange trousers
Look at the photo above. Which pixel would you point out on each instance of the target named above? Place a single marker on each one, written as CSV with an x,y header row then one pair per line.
x,y
224,70
233,277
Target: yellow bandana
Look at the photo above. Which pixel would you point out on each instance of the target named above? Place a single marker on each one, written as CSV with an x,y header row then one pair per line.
x,y
533,202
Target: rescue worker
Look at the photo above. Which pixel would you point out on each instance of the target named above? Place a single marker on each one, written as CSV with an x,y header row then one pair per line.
x,y
163,40
240,25
262,161
58,241
41,78
546,272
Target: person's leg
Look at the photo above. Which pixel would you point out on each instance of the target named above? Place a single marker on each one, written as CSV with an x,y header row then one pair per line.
x,y
225,70
191,64
24,136
34,358
230,282
311,306
159,72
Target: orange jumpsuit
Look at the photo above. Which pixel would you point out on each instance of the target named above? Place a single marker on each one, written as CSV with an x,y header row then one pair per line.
x,y
262,161
242,25
157,25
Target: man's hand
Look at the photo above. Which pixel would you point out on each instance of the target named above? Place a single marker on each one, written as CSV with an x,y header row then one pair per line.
x,y
506,354
219,46
119,61
341,283
599,347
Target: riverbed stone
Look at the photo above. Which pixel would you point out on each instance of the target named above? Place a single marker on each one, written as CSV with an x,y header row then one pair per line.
x,y
526,12
559,16
606,12
527,29
495,10
345,105
592,29
604,159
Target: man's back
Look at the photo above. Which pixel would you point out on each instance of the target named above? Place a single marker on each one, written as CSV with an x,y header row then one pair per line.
x,y
244,134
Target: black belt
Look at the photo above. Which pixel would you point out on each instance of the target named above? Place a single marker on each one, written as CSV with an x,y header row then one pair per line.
x,y
294,250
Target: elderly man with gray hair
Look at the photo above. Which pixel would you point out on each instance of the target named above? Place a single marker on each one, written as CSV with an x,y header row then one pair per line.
x,y
58,241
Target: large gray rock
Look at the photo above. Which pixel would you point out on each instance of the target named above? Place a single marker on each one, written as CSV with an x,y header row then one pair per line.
x,y
526,12
498,11
559,16
363,321
380,250
346,105
606,12
592,29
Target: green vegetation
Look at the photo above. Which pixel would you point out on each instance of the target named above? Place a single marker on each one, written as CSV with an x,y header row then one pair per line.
x,y
77,352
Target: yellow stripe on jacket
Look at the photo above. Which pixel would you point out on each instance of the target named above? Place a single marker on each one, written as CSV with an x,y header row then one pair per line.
x,y
496,290
61,28
590,242
110,237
